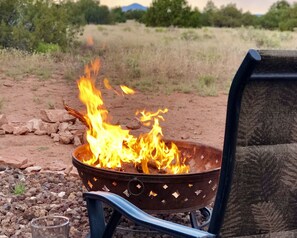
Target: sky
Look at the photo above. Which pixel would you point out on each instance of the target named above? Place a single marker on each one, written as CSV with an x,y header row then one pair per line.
x,y
254,6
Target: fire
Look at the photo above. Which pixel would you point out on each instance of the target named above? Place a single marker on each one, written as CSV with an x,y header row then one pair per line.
x,y
112,146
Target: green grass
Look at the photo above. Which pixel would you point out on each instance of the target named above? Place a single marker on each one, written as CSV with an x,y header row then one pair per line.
x,y
19,189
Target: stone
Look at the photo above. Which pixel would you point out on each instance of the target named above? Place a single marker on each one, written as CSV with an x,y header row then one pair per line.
x,y
133,125
34,124
56,137
3,119
63,127
76,141
56,115
8,84
33,169
8,128
20,130
40,132
66,137
2,132
50,127
61,194
68,170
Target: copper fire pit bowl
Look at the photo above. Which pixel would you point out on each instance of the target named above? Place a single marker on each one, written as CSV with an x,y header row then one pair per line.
x,y
159,193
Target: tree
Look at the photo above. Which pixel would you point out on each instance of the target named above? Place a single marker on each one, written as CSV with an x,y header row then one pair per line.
x,y
228,16
208,14
168,13
117,15
276,14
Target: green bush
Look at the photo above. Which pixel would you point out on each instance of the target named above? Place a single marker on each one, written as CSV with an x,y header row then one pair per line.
x,y
47,48
28,24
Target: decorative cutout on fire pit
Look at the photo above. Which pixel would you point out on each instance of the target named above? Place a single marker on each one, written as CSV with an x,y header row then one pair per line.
x,y
202,157
90,184
135,187
204,196
165,186
176,194
210,181
163,201
153,194
138,186
214,187
198,192
95,179
186,199
126,193
105,188
114,183
190,185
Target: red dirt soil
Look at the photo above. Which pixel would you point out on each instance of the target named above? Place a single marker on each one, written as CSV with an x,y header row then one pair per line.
x,y
190,117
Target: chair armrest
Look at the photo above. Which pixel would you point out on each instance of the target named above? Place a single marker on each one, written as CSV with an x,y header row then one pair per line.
x,y
127,209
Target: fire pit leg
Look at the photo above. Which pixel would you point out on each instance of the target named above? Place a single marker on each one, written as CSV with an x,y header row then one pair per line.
x,y
205,212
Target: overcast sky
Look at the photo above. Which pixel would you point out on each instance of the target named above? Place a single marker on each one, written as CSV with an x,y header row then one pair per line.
x,y
254,6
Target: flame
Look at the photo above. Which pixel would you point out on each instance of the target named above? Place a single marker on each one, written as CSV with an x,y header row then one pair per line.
x,y
111,145
90,41
127,90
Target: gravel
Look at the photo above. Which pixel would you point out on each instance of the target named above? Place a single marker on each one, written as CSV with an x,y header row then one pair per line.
x,y
27,195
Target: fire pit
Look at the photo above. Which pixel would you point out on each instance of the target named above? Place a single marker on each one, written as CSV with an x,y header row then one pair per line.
x,y
156,175
159,193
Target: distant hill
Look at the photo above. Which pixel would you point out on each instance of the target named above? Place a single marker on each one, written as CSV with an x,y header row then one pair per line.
x,y
134,6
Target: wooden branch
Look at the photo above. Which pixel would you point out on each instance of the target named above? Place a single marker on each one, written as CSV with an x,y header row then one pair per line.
x,y
76,114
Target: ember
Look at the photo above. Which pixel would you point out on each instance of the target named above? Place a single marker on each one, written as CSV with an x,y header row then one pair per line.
x,y
111,146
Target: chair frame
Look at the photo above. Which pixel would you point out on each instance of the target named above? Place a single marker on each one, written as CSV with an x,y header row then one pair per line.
x,y
123,207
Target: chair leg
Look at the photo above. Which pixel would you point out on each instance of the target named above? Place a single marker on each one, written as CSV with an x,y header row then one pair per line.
x,y
96,218
193,218
112,224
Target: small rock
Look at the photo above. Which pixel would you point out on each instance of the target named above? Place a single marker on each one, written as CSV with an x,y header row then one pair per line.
x,y
72,196
40,132
68,170
56,138
50,127
63,126
76,141
20,130
33,169
66,137
185,137
8,84
61,194
56,115
7,128
2,132
3,119
133,125
34,124
19,165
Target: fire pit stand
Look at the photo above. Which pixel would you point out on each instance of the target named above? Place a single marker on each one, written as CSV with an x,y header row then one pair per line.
x,y
160,193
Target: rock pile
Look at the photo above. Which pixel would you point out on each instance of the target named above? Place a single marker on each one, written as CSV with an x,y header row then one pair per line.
x,y
56,123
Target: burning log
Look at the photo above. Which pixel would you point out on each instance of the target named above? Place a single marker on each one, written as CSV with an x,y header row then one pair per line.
x,y
76,114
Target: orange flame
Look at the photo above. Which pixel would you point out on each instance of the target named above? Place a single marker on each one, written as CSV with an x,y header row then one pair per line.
x,y
111,145
90,41
127,90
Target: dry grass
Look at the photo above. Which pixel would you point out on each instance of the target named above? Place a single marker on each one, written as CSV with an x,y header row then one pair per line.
x,y
159,60
170,59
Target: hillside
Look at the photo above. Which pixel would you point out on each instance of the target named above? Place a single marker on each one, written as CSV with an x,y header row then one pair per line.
x,y
134,6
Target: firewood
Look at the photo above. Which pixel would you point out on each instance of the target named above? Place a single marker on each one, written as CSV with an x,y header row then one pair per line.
x,y
76,114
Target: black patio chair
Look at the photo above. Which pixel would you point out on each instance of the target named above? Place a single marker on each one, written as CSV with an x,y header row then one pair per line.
x,y
257,192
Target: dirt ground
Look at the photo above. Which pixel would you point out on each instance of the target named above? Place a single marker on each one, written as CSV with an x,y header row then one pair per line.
x,y
190,117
